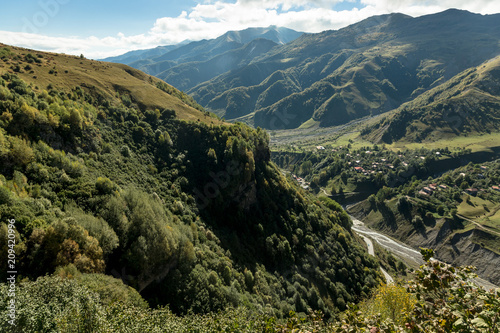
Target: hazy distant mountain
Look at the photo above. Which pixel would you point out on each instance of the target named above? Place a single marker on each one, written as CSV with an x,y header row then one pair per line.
x,y
137,55
187,75
367,68
206,49
160,59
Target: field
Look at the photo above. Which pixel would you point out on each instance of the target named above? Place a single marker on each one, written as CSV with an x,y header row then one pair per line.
x,y
476,143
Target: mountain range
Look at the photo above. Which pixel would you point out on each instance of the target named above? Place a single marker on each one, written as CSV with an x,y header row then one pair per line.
x,y
189,63
332,77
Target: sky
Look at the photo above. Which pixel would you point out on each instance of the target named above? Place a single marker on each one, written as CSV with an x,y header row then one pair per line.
x,y
103,28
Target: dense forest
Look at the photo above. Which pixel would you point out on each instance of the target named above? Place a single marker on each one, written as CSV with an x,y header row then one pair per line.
x,y
190,214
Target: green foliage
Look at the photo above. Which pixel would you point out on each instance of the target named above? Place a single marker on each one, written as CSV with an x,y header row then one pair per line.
x,y
97,228
191,215
5,196
53,305
111,290
104,185
449,302
390,302
440,299
61,244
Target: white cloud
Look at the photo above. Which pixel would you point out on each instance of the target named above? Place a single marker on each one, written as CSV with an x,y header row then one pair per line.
x,y
213,18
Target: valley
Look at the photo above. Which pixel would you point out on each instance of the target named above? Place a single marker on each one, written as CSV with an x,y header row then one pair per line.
x,y
267,180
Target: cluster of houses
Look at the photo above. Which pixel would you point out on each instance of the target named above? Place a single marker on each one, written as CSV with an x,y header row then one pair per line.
x,y
428,190
305,185
431,188
374,167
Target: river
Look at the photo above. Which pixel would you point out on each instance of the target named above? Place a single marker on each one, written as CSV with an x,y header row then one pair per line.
x,y
399,249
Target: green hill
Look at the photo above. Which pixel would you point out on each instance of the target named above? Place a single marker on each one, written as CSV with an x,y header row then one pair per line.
x,y
106,170
105,82
467,104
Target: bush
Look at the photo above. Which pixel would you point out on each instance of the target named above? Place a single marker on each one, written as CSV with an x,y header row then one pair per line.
x,y
104,185
5,196
51,304
392,302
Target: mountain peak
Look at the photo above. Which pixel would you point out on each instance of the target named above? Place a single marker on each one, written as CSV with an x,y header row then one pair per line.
x,y
276,34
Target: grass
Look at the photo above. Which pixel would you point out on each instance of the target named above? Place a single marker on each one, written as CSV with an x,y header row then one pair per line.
x,y
476,143
477,209
493,220
309,124
65,72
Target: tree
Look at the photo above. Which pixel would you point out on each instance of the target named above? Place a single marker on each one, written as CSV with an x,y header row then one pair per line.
x,y
391,302
75,120
104,185
59,245
441,209
20,152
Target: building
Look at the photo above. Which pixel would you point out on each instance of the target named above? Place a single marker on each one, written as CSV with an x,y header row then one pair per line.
x,y
471,191
427,190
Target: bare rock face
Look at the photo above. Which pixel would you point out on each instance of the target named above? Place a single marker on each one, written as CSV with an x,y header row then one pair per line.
x,y
459,249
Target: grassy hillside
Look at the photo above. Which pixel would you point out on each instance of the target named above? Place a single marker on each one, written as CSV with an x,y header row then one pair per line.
x,y
106,83
104,173
466,105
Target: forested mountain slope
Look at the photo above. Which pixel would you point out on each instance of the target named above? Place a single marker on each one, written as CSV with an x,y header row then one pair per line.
x,y
107,170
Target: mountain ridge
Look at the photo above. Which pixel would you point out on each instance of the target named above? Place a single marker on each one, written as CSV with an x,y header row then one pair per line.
x,y
203,49
467,103
385,54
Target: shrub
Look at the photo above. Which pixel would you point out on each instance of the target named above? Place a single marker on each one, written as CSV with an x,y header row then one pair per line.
x,y
5,196
104,185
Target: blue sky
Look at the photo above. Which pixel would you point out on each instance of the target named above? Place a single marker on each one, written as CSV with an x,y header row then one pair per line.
x,y
100,18
104,28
